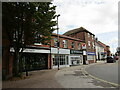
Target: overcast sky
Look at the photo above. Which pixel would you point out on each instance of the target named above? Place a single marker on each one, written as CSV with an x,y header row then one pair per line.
x,y
97,16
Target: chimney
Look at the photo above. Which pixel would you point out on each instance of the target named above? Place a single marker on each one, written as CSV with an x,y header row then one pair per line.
x,y
96,39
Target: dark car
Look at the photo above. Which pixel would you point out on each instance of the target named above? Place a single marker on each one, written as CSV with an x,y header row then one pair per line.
x,y
111,59
116,57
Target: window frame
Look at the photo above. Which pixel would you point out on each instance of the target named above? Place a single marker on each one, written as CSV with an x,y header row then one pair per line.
x,y
65,45
73,45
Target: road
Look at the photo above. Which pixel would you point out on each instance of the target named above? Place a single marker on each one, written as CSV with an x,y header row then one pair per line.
x,y
105,71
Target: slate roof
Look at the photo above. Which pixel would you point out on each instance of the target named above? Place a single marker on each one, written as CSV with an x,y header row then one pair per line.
x,y
67,37
81,29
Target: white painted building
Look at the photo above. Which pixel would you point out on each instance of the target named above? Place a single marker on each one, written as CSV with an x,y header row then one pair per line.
x,y
99,51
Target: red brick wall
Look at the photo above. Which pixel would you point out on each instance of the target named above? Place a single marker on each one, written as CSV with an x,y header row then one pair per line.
x,y
69,41
91,61
49,61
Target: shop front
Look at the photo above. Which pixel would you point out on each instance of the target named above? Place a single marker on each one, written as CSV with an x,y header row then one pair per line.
x,y
34,58
76,57
103,55
61,58
91,57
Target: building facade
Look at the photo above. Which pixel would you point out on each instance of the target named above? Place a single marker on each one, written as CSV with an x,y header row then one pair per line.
x,y
100,55
88,38
68,53
107,51
39,56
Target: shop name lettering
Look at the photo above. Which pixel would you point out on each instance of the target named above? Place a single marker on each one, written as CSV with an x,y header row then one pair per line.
x,y
29,50
76,52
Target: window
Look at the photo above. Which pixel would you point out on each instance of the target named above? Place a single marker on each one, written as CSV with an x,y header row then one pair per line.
x,y
90,57
63,60
75,60
55,42
88,34
79,46
92,37
72,44
89,43
93,45
64,43
37,39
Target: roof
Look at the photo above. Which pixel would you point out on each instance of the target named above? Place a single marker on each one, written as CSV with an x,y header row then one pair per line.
x,y
104,45
67,37
81,29
99,44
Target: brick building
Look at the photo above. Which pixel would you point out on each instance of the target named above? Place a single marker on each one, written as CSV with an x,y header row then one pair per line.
x,y
70,51
45,56
88,38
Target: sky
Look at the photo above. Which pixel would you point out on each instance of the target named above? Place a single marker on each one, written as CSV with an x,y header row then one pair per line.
x,y
97,16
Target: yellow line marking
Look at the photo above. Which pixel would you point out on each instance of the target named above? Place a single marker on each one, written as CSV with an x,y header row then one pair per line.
x,y
114,84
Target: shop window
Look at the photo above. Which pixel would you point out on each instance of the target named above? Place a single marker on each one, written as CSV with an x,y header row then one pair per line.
x,y
64,43
63,60
90,57
75,60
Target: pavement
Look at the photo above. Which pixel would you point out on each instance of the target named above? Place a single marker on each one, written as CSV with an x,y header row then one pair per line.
x,y
70,77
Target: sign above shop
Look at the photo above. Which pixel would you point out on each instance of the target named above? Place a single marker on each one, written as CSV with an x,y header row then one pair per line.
x,y
76,52
90,53
83,46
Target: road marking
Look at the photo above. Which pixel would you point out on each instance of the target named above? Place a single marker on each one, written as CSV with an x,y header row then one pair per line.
x,y
114,84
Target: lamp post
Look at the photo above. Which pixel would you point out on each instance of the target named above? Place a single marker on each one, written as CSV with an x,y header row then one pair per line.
x,y
58,41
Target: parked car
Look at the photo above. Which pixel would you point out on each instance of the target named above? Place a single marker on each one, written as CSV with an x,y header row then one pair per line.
x,y
111,59
116,57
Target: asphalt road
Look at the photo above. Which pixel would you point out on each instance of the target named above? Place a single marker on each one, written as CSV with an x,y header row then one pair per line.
x,y
106,71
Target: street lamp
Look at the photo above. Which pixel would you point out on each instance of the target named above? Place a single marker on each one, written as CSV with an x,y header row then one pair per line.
x,y
58,41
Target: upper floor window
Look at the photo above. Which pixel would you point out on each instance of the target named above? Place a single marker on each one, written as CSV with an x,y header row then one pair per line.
x,y
72,44
93,45
79,46
37,40
89,43
88,34
55,42
64,43
92,37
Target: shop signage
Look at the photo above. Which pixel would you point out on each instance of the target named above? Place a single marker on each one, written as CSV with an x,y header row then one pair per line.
x,y
76,52
90,53
83,46
84,53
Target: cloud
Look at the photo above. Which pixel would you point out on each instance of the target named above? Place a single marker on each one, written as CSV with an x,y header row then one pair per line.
x,y
96,16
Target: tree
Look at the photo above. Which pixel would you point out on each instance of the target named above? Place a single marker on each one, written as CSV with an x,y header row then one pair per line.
x,y
25,22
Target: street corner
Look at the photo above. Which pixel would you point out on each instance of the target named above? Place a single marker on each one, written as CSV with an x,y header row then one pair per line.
x,y
101,75
75,77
